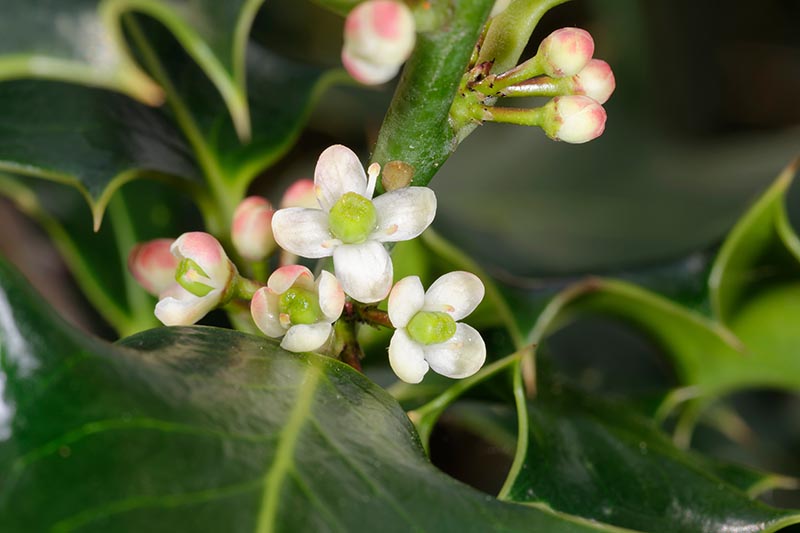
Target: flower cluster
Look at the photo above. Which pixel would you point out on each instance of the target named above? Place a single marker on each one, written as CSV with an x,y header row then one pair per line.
x,y
563,68
335,216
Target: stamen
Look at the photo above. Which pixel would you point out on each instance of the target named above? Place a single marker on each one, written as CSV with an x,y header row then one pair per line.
x,y
372,179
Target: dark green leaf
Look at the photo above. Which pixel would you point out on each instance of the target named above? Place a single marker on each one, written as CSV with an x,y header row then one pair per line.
x,y
93,140
602,462
200,429
82,41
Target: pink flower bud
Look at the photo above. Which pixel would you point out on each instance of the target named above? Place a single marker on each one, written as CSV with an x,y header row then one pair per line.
x,y
301,193
574,119
379,36
252,229
565,52
153,265
596,81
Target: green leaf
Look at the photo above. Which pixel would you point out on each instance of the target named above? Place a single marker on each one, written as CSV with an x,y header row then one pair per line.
x,y
602,462
761,249
141,211
201,429
82,41
417,129
708,358
92,140
282,94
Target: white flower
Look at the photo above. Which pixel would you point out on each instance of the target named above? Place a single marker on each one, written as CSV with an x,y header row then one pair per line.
x,y
297,308
427,334
203,276
351,226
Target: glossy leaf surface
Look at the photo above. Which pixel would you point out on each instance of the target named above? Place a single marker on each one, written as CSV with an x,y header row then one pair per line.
x,y
211,430
599,461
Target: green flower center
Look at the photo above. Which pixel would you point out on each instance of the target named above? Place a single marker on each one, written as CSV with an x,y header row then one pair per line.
x,y
431,327
352,218
189,274
301,305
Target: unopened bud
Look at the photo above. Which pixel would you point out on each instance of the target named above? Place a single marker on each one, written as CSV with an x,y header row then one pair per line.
x,y
153,265
565,52
252,229
573,119
596,81
379,36
300,194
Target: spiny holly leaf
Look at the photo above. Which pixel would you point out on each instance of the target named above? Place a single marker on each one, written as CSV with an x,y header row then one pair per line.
x,y
706,355
82,41
762,249
602,462
141,211
201,429
92,140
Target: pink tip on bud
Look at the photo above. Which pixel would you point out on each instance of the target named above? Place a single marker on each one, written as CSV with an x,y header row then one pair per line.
x,y
301,193
596,81
153,265
252,229
379,35
574,119
565,52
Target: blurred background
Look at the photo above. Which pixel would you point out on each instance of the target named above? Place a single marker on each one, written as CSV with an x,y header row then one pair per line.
x,y
705,115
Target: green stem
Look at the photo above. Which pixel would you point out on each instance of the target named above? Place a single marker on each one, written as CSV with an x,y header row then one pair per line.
x,y
373,316
425,417
139,302
521,401
510,31
246,288
539,86
514,115
225,196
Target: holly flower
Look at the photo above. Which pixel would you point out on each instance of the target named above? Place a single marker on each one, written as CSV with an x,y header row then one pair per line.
x,y
428,334
351,226
296,307
204,280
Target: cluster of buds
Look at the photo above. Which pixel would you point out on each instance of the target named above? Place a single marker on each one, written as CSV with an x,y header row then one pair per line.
x,y
379,35
563,68
334,216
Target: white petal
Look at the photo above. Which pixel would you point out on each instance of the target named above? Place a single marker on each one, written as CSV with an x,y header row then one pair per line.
x,y
364,270
303,232
283,278
338,171
406,357
266,313
208,253
405,301
460,356
179,307
306,337
404,213
457,293
331,296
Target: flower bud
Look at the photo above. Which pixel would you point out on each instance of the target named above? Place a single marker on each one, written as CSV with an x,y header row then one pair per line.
x,y
252,229
596,81
573,119
300,194
379,36
565,52
153,265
